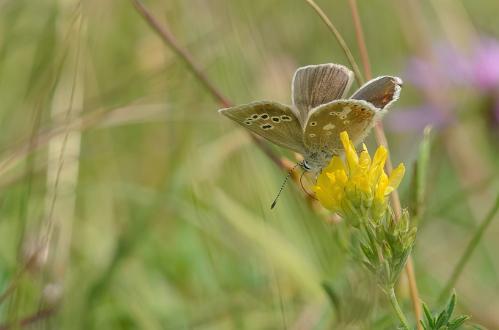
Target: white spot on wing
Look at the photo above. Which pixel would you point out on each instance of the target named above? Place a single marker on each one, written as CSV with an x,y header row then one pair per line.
x,y
329,126
346,110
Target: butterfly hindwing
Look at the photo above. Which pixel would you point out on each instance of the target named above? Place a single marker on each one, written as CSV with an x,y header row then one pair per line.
x,y
380,92
314,85
326,122
271,120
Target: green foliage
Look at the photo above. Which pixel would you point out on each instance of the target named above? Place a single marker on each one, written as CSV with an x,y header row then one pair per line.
x,y
444,320
419,183
386,247
165,222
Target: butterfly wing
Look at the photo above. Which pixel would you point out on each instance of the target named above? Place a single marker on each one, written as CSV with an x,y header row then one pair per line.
x,y
380,92
314,85
326,122
273,121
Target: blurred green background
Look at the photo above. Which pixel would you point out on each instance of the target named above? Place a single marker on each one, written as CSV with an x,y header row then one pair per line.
x,y
127,202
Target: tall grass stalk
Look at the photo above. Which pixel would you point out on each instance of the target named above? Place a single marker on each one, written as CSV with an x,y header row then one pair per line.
x,y
169,38
339,39
379,132
359,35
468,251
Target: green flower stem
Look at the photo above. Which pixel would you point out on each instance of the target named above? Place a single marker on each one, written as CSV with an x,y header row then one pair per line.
x,y
469,250
339,39
396,307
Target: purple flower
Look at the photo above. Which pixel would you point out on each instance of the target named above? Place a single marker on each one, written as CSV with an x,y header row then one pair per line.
x,y
449,71
485,64
417,118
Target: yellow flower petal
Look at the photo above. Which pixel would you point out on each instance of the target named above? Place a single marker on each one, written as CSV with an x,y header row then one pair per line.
x,y
350,153
377,165
364,161
357,185
324,198
335,164
395,178
323,180
381,187
380,157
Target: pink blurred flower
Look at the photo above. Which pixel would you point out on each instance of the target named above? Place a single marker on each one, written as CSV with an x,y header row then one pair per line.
x,y
449,71
485,64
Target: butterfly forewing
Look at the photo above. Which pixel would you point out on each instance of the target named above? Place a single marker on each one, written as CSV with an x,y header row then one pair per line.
x,y
314,85
380,91
327,121
271,120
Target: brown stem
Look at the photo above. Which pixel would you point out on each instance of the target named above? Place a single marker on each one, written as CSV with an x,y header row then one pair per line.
x,y
381,140
15,281
167,36
29,320
339,39
172,42
359,36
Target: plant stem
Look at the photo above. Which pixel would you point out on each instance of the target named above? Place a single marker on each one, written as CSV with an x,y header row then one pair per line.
x,y
170,40
469,250
361,42
30,320
381,140
339,38
396,308
378,130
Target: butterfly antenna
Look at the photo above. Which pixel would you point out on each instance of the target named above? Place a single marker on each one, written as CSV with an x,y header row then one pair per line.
x,y
282,186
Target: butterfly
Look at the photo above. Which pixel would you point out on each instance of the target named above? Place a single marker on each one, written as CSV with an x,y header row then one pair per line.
x,y
319,112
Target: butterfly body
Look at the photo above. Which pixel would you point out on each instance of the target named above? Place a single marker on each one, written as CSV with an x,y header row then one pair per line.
x,y
319,112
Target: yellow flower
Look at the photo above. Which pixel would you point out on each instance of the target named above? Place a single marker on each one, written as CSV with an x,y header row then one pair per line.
x,y
358,186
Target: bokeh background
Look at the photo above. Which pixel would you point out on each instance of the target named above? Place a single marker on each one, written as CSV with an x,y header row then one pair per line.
x,y
127,202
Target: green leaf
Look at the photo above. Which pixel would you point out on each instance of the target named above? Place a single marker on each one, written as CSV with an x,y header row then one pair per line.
x,y
420,175
451,304
441,319
368,253
331,293
429,316
458,322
